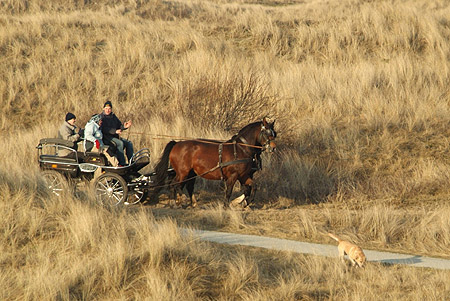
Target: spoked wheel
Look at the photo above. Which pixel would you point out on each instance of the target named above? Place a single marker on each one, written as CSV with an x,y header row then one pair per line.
x,y
55,182
110,189
138,190
135,196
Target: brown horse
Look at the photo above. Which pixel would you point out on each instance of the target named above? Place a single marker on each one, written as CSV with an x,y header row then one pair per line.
x,y
230,161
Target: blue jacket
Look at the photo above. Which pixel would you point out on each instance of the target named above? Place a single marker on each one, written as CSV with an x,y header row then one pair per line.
x,y
92,131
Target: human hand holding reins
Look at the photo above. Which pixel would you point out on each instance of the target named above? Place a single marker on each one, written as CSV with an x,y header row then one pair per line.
x,y
127,124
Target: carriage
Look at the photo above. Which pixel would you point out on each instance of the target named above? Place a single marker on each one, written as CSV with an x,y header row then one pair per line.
x,y
181,163
111,185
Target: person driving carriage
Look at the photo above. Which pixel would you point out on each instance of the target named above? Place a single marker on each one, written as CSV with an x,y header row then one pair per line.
x,y
111,128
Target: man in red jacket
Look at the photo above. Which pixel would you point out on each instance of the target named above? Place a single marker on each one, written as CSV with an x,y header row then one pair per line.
x,y
112,127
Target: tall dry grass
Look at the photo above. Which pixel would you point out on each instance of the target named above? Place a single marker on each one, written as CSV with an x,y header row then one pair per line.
x,y
359,89
360,94
414,230
71,248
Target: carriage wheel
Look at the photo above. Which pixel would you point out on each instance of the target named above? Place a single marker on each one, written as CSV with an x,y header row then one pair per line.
x,y
110,189
55,182
135,196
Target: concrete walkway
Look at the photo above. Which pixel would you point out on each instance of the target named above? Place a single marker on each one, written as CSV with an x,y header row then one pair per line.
x,y
318,249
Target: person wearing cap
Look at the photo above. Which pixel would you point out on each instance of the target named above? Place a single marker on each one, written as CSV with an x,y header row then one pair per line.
x,y
69,131
112,127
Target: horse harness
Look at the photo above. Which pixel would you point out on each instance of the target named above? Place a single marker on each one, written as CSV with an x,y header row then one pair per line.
x,y
221,164
256,158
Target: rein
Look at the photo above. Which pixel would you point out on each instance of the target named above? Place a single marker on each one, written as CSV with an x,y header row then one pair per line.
x,y
160,136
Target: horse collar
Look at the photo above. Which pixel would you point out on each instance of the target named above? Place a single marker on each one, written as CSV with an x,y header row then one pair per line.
x,y
243,140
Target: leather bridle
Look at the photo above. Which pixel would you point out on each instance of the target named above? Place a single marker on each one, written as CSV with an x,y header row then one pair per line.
x,y
268,134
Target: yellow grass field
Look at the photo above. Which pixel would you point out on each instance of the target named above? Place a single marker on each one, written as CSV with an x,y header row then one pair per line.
x,y
360,94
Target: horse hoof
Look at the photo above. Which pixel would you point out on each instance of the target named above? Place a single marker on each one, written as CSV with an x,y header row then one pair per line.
x,y
188,206
235,207
239,200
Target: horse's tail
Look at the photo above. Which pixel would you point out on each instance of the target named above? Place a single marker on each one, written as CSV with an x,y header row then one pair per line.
x,y
161,169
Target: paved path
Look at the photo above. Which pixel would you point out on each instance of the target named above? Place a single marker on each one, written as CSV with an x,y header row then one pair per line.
x,y
318,249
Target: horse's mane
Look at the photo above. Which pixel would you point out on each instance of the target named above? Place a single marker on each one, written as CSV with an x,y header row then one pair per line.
x,y
244,130
241,133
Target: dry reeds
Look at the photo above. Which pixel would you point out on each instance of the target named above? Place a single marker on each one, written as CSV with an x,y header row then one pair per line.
x,y
71,248
360,94
359,90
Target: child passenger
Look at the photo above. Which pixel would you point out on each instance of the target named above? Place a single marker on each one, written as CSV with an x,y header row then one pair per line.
x,y
93,134
94,139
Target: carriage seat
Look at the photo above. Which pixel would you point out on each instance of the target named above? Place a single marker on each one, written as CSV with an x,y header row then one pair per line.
x,y
57,159
93,158
56,141
57,147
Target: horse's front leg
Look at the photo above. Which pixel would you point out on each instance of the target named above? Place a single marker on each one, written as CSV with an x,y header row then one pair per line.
x,y
230,184
250,190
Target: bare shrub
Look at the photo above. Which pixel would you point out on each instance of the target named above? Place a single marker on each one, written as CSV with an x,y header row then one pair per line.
x,y
226,102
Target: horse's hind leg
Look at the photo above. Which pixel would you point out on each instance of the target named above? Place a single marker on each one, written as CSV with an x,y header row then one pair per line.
x,y
190,188
176,189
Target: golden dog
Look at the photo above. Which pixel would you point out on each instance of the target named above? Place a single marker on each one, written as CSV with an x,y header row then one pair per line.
x,y
354,252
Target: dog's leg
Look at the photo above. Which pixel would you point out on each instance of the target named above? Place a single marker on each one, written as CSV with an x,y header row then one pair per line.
x,y
341,253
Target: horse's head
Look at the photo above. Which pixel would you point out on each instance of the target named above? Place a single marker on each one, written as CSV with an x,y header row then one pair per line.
x,y
267,135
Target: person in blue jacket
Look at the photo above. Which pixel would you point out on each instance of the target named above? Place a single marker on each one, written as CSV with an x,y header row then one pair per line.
x,y
93,139
93,134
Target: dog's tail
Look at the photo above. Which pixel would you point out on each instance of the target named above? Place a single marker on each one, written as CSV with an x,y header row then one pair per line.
x,y
334,237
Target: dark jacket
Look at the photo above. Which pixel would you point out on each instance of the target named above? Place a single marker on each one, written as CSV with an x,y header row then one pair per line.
x,y
110,125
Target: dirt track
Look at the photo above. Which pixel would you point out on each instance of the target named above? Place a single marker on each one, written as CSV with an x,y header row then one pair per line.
x,y
318,249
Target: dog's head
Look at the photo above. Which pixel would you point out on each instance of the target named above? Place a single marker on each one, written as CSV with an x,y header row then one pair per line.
x,y
360,259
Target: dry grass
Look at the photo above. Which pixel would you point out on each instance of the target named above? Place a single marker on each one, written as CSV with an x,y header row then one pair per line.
x,y
71,248
417,230
360,93
359,90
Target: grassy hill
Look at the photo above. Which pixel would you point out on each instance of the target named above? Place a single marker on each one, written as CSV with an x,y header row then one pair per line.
x,y
360,91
